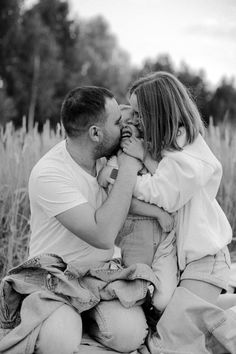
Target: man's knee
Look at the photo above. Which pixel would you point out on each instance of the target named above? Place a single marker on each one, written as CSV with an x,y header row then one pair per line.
x,y
113,325
60,333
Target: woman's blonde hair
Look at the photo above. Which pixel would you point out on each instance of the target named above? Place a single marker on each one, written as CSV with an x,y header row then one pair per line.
x,y
165,105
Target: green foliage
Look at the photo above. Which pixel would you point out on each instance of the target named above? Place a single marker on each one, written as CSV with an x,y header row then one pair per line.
x,y
100,60
9,29
9,23
44,53
195,82
53,54
223,103
7,107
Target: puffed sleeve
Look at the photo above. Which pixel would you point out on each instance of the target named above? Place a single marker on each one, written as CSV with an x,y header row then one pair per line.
x,y
174,182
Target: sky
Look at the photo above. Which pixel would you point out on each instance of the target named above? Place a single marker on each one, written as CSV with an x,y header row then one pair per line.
x,y
201,33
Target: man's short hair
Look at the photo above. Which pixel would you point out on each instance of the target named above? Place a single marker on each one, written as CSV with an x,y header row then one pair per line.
x,y
83,107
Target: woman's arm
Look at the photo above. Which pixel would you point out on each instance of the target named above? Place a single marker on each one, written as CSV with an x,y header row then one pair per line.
x,y
173,184
150,164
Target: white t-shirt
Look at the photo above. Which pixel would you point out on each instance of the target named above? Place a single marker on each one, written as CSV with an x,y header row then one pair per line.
x,y
57,183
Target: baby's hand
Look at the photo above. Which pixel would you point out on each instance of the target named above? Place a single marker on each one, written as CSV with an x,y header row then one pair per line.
x,y
166,221
133,147
104,176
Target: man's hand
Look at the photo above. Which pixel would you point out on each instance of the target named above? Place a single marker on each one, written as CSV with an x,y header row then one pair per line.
x,y
98,227
133,147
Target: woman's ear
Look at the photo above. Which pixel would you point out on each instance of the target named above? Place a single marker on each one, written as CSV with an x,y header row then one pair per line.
x,y
95,134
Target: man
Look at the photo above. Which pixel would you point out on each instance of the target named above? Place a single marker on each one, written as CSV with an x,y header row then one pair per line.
x,y
70,213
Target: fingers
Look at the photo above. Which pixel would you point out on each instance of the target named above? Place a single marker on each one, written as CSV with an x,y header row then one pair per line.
x,y
125,150
127,141
168,226
130,140
126,146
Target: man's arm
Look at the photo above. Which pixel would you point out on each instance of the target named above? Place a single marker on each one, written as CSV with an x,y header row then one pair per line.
x,y
134,147
100,227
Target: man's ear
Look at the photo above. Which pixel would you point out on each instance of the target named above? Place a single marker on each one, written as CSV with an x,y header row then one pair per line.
x,y
95,134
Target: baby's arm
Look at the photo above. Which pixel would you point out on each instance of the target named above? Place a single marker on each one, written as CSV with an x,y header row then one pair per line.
x,y
108,173
135,147
165,220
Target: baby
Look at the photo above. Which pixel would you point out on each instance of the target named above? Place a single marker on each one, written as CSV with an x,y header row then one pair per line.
x,y
107,175
148,238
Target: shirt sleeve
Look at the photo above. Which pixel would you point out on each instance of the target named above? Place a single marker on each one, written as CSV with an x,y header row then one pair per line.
x,y
113,162
173,184
54,193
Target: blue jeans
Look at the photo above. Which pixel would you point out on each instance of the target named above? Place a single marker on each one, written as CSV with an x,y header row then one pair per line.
x,y
109,323
41,302
142,241
116,327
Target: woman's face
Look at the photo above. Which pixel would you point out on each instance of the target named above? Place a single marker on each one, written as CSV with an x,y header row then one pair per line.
x,y
136,116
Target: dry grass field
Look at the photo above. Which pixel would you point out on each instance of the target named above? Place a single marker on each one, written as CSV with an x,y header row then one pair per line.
x,y
20,150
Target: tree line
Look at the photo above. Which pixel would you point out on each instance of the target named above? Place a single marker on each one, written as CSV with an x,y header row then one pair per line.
x,y
44,53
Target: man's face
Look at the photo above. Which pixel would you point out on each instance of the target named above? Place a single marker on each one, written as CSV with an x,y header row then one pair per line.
x,y
111,129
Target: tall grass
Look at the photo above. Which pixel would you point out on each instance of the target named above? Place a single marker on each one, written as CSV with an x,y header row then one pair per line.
x,y
19,151
222,141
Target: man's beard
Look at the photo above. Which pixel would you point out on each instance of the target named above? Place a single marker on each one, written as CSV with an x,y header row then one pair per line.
x,y
107,147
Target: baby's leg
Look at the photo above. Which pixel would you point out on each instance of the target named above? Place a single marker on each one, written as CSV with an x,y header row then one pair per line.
x,y
166,270
136,240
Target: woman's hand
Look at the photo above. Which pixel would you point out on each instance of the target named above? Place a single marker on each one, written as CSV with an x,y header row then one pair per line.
x,y
133,147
